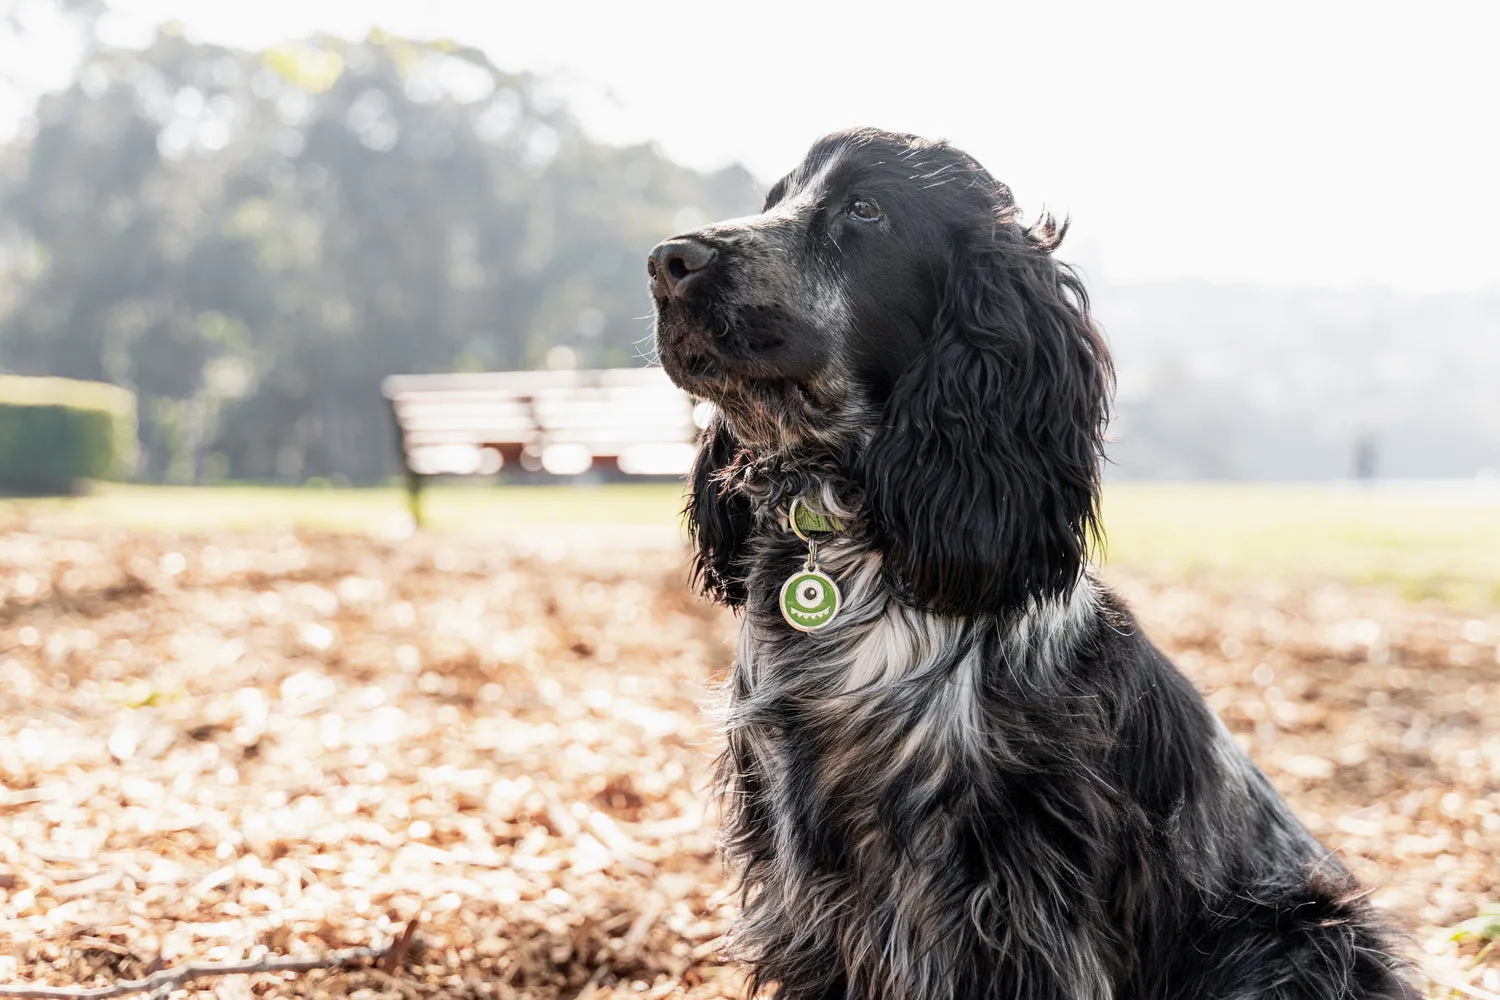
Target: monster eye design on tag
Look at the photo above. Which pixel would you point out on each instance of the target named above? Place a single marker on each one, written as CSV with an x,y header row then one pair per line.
x,y
809,600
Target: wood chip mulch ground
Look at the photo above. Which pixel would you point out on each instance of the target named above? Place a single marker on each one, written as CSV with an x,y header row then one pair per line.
x,y
489,763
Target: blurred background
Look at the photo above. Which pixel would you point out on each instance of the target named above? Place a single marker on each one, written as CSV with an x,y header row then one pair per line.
x,y
271,274
248,215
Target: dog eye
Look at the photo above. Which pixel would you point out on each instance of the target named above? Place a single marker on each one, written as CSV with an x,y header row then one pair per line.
x,y
864,210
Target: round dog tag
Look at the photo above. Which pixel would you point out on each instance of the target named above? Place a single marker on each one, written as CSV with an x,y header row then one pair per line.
x,y
809,600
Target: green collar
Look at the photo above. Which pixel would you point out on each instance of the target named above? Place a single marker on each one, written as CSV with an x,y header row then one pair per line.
x,y
805,521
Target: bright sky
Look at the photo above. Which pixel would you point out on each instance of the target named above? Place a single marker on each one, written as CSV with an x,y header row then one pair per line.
x,y
1291,142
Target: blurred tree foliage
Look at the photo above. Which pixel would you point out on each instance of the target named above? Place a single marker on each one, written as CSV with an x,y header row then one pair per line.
x,y
251,240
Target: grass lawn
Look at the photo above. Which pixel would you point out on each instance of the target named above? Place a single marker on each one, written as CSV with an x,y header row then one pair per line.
x,y
1426,539
451,508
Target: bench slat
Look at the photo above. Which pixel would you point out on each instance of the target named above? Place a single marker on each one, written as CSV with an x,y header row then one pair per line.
x,y
613,414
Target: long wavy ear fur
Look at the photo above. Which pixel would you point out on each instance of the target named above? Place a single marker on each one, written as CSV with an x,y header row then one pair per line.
x,y
718,522
983,481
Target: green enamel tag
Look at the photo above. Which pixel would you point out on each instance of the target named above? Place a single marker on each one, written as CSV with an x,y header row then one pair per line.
x,y
809,600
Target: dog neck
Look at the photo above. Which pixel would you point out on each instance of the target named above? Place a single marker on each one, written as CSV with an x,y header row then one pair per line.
x,y
771,481
830,483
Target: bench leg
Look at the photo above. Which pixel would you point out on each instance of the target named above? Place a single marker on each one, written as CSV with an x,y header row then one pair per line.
x,y
414,484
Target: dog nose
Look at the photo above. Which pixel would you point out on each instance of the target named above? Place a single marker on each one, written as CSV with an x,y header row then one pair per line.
x,y
676,264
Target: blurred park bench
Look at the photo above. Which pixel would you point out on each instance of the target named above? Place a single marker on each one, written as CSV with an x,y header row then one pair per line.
x,y
625,422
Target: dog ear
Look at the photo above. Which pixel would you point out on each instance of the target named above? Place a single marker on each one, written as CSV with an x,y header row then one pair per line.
x,y
718,519
983,480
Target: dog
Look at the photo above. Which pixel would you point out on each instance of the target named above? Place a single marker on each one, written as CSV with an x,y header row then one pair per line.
x,y
973,776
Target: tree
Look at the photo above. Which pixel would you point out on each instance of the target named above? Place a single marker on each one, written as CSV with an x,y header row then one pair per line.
x,y
252,240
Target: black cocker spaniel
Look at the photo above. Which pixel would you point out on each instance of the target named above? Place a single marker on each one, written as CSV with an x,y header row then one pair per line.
x,y
955,768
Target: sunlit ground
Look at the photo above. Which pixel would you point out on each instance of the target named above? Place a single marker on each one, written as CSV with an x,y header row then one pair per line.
x,y
1425,539
488,738
219,736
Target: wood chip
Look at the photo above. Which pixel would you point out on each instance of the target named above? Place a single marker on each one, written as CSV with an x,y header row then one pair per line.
x,y
195,774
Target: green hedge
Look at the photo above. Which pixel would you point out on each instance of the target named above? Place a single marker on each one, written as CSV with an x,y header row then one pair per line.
x,y
55,433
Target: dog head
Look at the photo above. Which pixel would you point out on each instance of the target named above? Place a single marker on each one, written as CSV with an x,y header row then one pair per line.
x,y
888,305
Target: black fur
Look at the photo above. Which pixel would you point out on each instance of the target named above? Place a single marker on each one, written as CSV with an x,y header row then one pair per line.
x,y
981,781
718,519
1002,414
